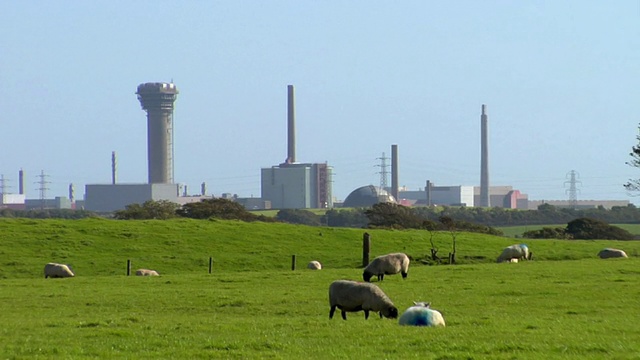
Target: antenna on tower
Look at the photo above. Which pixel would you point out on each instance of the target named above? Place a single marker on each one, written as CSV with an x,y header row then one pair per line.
x,y
384,173
43,188
573,191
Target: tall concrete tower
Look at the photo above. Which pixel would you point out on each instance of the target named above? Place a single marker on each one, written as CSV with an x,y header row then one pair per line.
x,y
157,100
394,171
484,159
291,126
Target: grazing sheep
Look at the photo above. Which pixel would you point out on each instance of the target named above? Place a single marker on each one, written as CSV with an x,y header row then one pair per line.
x,y
612,253
54,270
352,296
519,251
387,265
420,314
314,265
146,272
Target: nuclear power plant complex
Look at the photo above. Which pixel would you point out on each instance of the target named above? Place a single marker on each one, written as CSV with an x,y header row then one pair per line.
x,y
287,185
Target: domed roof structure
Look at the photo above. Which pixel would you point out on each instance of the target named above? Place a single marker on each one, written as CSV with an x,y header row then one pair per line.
x,y
367,196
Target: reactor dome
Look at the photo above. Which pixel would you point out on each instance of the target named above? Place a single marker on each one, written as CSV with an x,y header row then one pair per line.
x,y
367,196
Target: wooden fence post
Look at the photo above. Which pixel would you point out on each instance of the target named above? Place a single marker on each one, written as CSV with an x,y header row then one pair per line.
x,y
293,262
128,267
366,247
210,264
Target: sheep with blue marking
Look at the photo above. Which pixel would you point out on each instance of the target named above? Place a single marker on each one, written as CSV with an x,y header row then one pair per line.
x,y
421,314
389,264
55,270
353,296
518,251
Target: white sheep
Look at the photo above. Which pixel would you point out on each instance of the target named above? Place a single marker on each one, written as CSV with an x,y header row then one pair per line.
x,y
353,296
314,265
55,270
387,265
420,314
519,251
612,253
146,272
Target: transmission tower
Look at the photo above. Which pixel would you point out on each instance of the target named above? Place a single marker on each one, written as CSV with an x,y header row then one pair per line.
x,y
573,190
384,173
43,188
3,184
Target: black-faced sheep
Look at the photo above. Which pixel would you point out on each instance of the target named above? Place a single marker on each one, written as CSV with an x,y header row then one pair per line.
x,y
420,314
612,253
146,272
55,270
387,265
353,296
314,265
519,251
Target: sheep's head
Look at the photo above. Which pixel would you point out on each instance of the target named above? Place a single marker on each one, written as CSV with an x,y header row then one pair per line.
x,y
391,312
366,276
421,303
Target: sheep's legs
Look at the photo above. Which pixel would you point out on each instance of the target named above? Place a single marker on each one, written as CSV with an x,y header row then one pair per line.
x,y
344,315
333,310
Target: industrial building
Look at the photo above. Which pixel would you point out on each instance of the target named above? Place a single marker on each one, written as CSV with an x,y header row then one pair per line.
x,y
293,185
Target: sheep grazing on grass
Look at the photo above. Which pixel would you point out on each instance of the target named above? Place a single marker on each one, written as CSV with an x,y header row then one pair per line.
x,y
612,253
387,265
420,314
519,251
55,270
146,272
314,265
353,296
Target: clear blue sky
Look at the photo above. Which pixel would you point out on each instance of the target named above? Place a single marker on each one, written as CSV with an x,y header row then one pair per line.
x,y
561,81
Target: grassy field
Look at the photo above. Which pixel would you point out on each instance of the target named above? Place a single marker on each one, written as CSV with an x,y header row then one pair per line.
x,y
567,304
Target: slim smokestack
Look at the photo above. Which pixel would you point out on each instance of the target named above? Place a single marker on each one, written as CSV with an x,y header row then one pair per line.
x,y
72,193
21,182
157,100
113,167
394,171
484,159
291,126
203,189
428,190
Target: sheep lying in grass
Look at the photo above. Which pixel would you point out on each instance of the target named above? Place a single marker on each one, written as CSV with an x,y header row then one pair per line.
x,y
387,265
353,296
519,251
420,314
314,265
146,272
612,253
55,270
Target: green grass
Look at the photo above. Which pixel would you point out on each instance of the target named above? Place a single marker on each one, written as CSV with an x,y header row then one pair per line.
x,y
567,304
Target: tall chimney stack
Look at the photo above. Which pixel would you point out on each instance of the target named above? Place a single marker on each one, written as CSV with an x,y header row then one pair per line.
x,y
113,167
21,182
291,126
394,171
484,159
